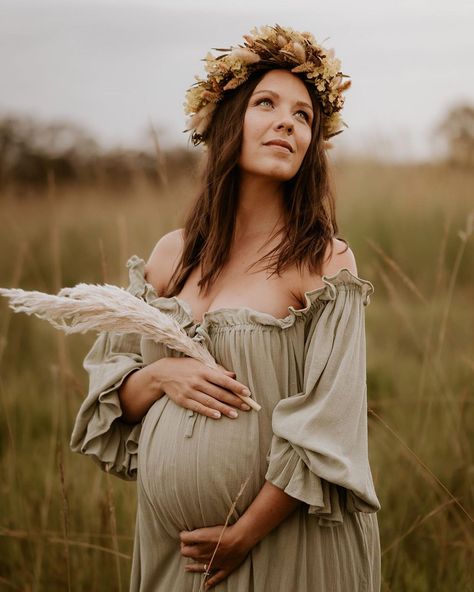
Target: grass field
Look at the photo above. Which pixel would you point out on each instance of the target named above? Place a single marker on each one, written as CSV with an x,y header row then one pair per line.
x,y
65,525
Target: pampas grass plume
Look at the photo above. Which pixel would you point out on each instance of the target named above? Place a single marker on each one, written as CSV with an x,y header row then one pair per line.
x,y
91,307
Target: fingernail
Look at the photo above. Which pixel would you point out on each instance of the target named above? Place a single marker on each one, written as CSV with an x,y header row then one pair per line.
x,y
246,392
245,407
233,413
216,414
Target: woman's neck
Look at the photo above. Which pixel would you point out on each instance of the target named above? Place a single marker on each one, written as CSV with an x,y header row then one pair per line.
x,y
260,207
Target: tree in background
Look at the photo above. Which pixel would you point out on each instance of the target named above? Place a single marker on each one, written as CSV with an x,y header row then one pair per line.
x,y
457,130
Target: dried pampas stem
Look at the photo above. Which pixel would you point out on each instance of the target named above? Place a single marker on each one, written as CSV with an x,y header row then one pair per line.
x,y
90,307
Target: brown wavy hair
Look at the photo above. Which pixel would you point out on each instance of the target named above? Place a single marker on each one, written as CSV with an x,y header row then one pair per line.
x,y
309,202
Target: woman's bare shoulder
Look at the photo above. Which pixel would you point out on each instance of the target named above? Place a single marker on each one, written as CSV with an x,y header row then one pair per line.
x,y
340,258
163,259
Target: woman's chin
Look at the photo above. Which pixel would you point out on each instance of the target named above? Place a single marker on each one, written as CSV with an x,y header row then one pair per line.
x,y
280,174
272,172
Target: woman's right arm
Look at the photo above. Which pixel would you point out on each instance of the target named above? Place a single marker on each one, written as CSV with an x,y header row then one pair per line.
x,y
188,382
138,393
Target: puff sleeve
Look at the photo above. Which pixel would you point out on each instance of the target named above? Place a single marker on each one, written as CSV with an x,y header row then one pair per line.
x,y
319,448
98,430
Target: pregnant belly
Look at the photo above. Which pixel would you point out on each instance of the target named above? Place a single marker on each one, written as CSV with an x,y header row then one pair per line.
x,y
192,474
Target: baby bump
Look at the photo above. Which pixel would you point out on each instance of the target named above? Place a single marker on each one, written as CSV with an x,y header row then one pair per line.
x,y
192,467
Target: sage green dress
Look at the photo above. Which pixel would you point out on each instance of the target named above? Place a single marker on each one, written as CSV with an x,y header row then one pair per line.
x,y
308,372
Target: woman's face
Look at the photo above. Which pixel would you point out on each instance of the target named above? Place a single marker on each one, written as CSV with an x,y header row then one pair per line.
x,y
279,112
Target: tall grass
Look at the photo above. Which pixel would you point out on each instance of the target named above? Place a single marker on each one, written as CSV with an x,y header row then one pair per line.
x,y
65,525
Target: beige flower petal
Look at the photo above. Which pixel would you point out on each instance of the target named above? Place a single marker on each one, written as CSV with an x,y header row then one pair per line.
x,y
246,55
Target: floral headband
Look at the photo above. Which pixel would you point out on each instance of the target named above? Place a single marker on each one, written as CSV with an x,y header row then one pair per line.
x,y
264,49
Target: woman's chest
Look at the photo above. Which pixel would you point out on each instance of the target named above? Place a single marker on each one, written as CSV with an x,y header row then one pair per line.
x,y
237,287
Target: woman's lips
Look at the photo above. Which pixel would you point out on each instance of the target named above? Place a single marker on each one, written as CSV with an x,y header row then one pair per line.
x,y
279,148
281,144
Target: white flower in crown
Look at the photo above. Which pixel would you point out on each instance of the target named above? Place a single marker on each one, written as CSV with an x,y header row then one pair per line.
x,y
279,46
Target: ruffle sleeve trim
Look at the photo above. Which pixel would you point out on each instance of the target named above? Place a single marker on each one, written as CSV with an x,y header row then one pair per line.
x,y
110,442
325,500
99,431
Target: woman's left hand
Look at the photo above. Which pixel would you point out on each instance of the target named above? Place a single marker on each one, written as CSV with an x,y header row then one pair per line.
x,y
200,544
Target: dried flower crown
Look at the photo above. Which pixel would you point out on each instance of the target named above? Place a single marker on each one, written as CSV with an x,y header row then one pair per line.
x,y
267,48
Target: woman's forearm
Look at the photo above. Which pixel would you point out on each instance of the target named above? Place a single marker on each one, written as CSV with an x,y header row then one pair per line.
x,y
138,392
271,506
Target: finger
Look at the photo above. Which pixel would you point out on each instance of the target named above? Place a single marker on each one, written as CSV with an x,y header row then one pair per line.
x,y
213,403
194,405
227,382
198,538
228,372
225,396
192,537
195,567
229,389
215,579
200,548
192,551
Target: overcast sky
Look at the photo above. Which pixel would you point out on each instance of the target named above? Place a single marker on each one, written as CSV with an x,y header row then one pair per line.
x,y
115,65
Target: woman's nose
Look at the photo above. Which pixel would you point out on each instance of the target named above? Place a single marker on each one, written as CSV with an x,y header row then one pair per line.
x,y
284,122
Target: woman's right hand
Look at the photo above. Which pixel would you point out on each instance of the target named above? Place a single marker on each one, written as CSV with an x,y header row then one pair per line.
x,y
193,385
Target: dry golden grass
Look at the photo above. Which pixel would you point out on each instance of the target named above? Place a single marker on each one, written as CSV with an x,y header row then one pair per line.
x,y
65,525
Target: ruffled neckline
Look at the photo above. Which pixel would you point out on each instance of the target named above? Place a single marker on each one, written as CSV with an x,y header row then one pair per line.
x,y
182,312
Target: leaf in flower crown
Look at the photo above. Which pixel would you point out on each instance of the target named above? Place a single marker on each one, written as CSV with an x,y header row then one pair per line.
x,y
209,96
249,40
304,67
309,37
345,85
208,109
299,51
202,125
233,83
216,87
246,55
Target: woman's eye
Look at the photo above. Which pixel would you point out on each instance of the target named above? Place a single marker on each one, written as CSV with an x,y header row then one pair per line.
x,y
305,115
264,101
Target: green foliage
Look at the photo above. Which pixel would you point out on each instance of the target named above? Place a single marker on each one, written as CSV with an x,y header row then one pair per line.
x,y
402,223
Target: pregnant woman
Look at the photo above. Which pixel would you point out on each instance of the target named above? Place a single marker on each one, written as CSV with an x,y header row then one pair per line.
x,y
257,276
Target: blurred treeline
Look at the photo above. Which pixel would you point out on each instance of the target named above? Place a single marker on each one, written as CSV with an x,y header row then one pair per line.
x,y
31,151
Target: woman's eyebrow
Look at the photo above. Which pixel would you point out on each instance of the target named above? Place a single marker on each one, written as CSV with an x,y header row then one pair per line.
x,y
275,94
303,104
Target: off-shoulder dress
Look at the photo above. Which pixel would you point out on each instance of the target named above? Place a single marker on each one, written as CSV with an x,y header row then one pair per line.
x,y
308,372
